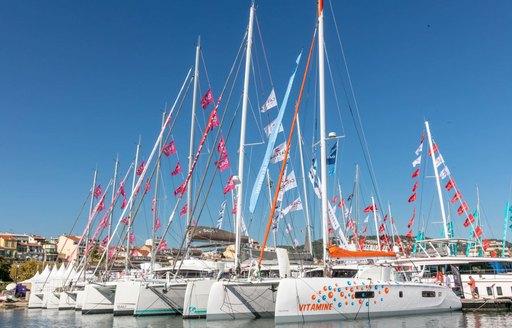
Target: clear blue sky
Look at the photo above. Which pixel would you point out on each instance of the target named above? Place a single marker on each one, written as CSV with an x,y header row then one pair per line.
x,y
81,81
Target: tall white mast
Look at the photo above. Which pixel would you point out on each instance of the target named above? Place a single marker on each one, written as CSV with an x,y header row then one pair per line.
x,y
307,239
376,224
323,154
438,181
392,226
91,208
192,127
130,218
112,202
245,100
155,201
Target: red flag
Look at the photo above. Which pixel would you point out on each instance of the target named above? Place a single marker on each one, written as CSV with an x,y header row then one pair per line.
x,y
223,163
140,169
147,187
456,197
462,208
385,217
229,186
184,210
409,234
104,241
181,189
415,186
123,205
411,221
450,184
101,205
169,149
485,244
104,221
478,232
398,240
233,211
97,191
365,229
412,198
371,208
221,148
132,237
350,224
335,199
121,189
162,246
126,220
361,242
157,224
213,122
382,228
416,173
177,169
470,219
207,99
435,150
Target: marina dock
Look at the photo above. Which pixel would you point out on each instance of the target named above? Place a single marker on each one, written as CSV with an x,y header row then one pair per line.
x,y
487,305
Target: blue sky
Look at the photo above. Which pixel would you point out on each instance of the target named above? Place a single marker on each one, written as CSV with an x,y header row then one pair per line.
x,y
81,81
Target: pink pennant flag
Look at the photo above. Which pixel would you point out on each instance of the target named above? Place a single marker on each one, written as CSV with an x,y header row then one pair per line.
x,y
184,210
181,189
229,186
177,169
169,149
104,221
207,99
223,164
111,253
97,191
126,220
132,237
121,189
157,224
101,205
221,148
104,241
233,211
123,205
141,168
147,187
214,122
162,246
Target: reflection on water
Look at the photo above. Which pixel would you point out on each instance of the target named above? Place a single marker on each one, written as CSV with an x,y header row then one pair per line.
x,y
70,319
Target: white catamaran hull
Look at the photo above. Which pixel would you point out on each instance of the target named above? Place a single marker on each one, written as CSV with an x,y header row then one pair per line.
x,y
98,298
242,300
158,299
196,298
51,300
127,293
316,299
35,301
67,301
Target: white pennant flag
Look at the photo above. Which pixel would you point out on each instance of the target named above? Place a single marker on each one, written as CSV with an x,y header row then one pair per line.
x,y
270,127
420,148
221,215
278,153
444,172
270,103
439,160
289,183
417,161
366,219
332,218
296,205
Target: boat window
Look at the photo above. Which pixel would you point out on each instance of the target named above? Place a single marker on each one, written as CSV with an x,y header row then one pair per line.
x,y
400,294
343,273
489,291
428,293
499,291
364,295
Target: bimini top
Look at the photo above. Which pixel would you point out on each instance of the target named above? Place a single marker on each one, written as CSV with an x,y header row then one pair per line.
x,y
338,252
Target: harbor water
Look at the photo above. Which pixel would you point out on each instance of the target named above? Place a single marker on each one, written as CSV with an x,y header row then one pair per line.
x,y
69,319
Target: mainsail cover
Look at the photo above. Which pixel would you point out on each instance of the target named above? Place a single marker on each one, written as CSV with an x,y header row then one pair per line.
x,y
214,234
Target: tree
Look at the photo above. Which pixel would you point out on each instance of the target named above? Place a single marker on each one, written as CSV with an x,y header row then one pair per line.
x,y
25,270
4,269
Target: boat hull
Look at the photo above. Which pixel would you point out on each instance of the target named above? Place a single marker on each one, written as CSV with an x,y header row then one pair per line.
x,y
160,299
67,301
196,298
35,300
318,299
98,298
126,296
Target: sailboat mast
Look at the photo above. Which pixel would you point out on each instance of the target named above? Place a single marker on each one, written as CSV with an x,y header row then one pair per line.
x,y
91,208
126,266
307,239
505,219
155,201
192,127
438,181
323,154
241,154
112,202
376,224
392,226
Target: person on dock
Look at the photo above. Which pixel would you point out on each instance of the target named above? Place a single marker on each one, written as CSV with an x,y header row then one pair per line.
x,y
472,286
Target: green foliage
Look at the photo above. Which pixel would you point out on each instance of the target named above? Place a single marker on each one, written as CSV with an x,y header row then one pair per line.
x,y
4,269
24,270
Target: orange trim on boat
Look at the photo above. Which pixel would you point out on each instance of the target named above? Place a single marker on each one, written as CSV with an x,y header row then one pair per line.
x,y
338,252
